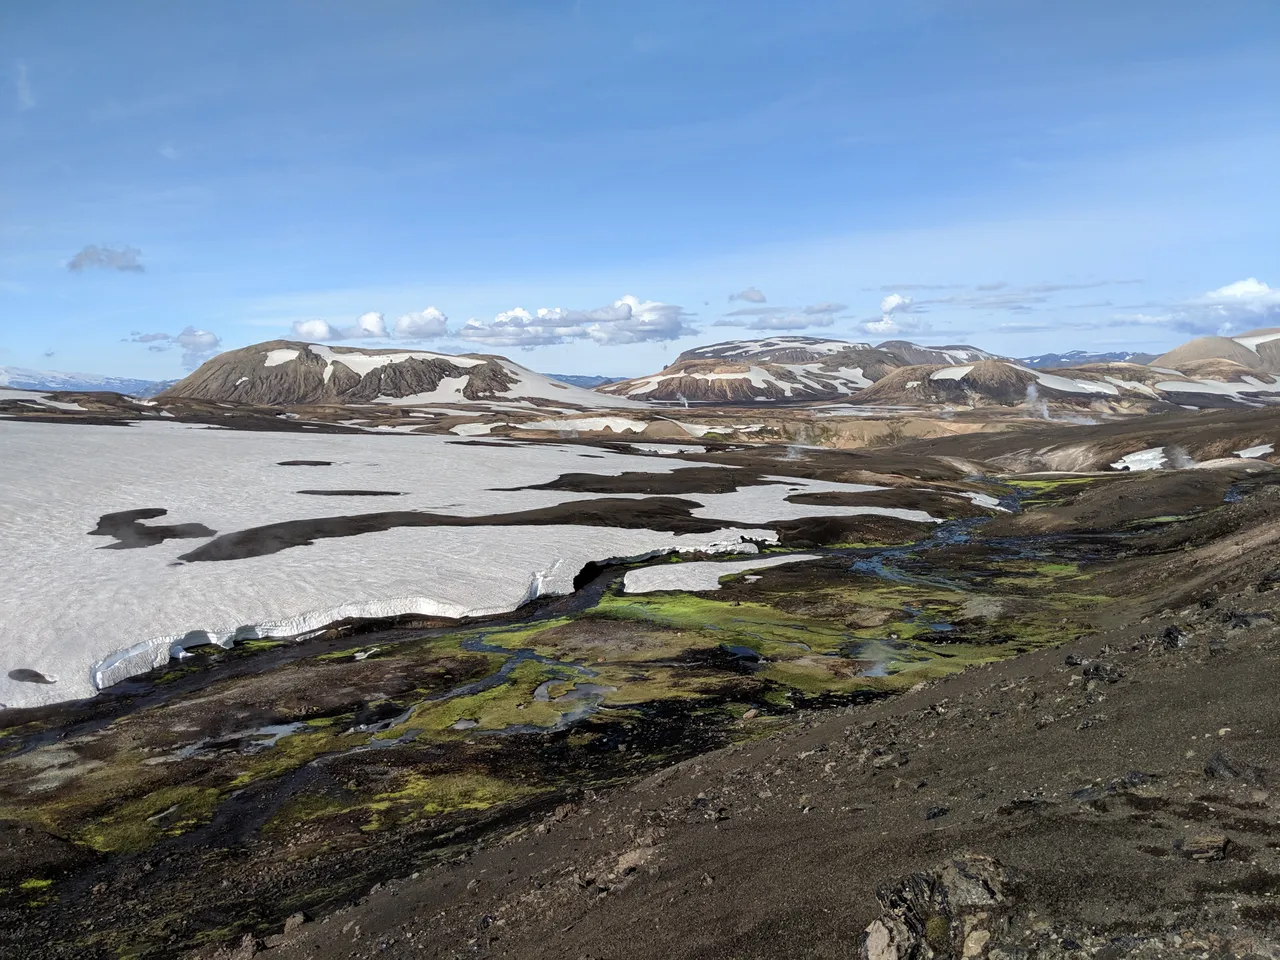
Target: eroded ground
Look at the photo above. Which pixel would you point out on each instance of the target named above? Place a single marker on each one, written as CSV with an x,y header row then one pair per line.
x,y
218,798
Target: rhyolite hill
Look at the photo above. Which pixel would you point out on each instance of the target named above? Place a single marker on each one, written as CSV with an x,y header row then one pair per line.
x,y
1204,373
291,373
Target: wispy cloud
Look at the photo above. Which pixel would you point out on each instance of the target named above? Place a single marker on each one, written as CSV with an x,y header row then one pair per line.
x,y
22,81
999,296
750,295
197,345
782,318
170,152
916,287
94,257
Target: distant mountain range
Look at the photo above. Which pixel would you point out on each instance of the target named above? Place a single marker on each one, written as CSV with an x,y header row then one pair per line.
x,y
21,378
1078,358
1210,371
583,380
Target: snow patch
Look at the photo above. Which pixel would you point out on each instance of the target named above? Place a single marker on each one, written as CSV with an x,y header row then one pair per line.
x,y
667,449
951,373
1152,458
1067,385
276,357
42,399
699,575
1261,450
616,424
475,429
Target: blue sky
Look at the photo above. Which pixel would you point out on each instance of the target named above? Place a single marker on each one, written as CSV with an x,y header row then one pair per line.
x,y
1026,176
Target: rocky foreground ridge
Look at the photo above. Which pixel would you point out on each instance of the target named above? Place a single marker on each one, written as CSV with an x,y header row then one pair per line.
x,y
1112,798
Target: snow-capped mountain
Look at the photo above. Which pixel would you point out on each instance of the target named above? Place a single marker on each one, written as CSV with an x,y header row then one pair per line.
x,y
1101,387
21,378
289,372
1078,358
783,369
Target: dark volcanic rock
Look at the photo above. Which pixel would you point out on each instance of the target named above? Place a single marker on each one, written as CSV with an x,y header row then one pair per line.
x,y
1204,847
1223,766
952,910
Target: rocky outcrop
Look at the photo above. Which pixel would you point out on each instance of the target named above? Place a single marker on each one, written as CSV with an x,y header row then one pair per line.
x,y
952,912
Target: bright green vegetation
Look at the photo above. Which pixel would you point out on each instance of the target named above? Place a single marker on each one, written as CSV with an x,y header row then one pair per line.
x,y
1040,493
510,703
1054,484
137,824
415,796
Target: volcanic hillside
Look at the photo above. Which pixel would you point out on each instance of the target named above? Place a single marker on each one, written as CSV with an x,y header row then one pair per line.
x,y
1256,350
1103,387
287,373
783,369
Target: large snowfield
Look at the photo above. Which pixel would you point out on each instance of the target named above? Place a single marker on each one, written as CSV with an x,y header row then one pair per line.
x,y
88,611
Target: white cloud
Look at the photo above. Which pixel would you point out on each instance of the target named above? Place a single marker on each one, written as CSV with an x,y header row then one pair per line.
x,y
94,257
1226,311
315,330
369,326
890,325
520,328
26,99
197,345
170,152
896,317
423,325
750,295
895,303
1245,301
626,320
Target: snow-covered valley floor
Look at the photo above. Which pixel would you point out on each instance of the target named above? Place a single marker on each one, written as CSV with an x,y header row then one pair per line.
x,y
95,522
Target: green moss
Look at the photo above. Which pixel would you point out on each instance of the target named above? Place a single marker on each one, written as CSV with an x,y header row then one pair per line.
x,y
35,884
297,750
748,623
937,931
257,646
139,823
809,675
1053,484
636,684
516,638
416,796
507,704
